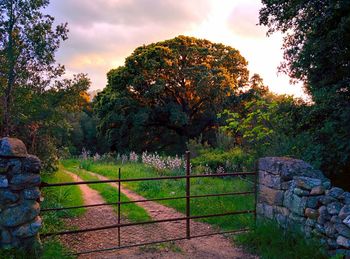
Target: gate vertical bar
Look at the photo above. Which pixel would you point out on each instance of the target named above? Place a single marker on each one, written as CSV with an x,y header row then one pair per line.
x,y
119,173
188,193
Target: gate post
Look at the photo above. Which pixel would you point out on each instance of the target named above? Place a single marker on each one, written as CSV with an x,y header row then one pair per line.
x,y
19,196
188,194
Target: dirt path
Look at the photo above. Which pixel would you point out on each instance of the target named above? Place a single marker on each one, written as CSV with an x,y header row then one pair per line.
x,y
207,247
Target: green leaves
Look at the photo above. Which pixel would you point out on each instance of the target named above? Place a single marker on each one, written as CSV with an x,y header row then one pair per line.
x,y
178,86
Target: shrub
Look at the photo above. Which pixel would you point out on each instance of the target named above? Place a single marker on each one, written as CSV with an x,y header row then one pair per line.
x,y
232,160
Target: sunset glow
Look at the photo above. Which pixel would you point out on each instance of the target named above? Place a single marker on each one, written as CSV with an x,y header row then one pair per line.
x,y
104,32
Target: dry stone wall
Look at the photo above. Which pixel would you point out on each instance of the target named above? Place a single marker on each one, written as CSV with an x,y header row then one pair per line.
x,y
297,196
19,196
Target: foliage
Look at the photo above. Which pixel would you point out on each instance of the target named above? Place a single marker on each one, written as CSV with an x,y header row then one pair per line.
x,y
233,160
316,51
270,241
35,99
169,92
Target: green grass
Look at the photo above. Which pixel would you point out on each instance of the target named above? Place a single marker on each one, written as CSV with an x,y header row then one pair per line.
x,y
270,241
54,197
173,188
109,193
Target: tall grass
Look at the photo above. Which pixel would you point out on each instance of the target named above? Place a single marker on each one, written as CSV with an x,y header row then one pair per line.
x,y
199,186
270,241
57,197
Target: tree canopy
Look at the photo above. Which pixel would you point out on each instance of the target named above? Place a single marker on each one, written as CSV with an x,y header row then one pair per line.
x,y
35,97
169,92
317,52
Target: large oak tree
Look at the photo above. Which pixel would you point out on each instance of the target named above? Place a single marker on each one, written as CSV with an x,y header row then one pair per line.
x,y
169,92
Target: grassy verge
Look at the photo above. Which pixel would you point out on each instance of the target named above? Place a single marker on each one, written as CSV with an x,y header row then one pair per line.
x,y
270,241
52,221
109,193
173,188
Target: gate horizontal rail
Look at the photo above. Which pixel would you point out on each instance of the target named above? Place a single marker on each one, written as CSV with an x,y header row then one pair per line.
x,y
145,223
44,185
147,200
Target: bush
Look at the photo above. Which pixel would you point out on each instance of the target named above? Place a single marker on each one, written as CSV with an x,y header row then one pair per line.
x,y
232,160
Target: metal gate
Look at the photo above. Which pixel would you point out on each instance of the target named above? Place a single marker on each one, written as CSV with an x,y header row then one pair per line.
x,y
188,217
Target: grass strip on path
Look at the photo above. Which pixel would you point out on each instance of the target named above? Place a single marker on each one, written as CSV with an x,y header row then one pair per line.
x,y
109,193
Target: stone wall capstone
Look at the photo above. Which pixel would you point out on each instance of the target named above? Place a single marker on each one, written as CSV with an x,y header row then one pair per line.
x,y
19,196
297,196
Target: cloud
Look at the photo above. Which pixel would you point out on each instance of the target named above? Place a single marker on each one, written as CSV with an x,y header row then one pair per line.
x,y
243,21
103,31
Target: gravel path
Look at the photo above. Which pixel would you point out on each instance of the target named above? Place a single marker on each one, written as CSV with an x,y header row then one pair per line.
x,y
216,246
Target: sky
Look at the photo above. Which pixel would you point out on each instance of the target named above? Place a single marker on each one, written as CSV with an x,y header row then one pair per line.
x,y
102,33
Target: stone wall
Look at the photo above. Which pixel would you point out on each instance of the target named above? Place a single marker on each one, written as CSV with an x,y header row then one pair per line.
x,y
297,196
19,196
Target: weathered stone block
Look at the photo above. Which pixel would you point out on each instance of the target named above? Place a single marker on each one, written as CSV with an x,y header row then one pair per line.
x,y
288,167
313,202
260,208
307,183
335,219
343,241
281,210
4,183
28,230
310,222
335,192
333,208
281,220
12,147
17,215
21,181
327,199
330,229
269,180
311,213
300,192
270,196
344,212
318,190
346,221
268,211
324,215
286,185
295,203
31,193
297,218
320,228
343,230
31,164
6,196
327,184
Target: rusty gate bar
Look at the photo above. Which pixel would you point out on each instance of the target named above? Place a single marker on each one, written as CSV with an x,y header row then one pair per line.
x,y
119,174
146,200
43,184
146,222
188,194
